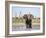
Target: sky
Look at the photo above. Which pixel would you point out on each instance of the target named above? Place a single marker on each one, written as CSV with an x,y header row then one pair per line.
x,y
35,11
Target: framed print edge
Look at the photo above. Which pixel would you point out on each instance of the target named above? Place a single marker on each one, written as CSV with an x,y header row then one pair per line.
x,y
7,19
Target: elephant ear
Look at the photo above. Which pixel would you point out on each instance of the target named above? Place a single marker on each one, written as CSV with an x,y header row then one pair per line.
x,y
25,16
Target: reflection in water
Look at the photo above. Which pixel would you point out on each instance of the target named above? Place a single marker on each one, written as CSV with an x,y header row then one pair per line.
x,y
23,28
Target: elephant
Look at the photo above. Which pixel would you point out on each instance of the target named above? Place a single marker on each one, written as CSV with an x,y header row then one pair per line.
x,y
28,20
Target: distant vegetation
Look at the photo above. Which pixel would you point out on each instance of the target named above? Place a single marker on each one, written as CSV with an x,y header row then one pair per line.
x,y
21,20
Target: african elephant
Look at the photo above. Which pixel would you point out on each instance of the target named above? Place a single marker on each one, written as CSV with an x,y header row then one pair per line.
x,y
28,20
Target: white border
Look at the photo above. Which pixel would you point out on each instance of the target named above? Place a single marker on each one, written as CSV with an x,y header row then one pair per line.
x,y
23,32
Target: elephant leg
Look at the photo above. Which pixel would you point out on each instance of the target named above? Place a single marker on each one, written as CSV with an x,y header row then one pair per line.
x,y
30,25
27,26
